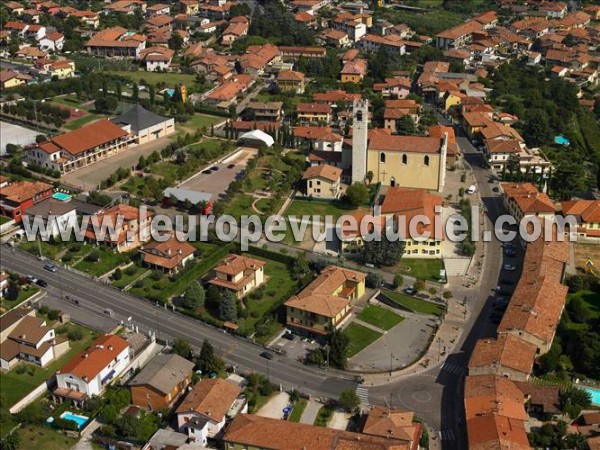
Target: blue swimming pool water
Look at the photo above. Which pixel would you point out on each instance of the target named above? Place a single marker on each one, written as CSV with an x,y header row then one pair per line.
x,y
595,393
80,420
61,196
561,140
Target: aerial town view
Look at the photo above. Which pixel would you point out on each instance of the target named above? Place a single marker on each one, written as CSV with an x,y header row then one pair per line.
x,y
300,224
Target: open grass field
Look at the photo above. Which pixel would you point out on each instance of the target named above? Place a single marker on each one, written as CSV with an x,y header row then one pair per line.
x,y
24,293
360,338
14,385
321,208
585,252
78,123
426,269
127,278
4,219
170,79
380,317
108,261
40,437
415,304
299,408
199,121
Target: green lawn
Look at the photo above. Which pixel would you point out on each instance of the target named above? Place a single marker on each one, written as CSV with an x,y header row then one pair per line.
x,y
592,299
46,438
170,79
24,293
48,250
207,143
127,279
426,269
360,338
75,251
380,317
299,408
324,416
415,304
78,123
4,219
71,101
319,208
108,261
199,121
240,204
14,386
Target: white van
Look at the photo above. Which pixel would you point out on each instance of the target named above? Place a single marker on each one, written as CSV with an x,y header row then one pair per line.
x,y
471,189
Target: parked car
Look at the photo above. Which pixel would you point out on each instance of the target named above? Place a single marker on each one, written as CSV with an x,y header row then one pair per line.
x,y
410,291
507,281
31,279
267,355
206,172
496,317
289,336
214,168
41,283
495,189
510,253
50,267
509,267
231,166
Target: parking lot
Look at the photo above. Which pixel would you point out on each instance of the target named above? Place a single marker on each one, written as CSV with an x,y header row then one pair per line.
x,y
296,348
215,181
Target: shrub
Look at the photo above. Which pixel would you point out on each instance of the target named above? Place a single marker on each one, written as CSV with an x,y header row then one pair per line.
x,y
131,270
53,314
117,274
156,275
75,334
373,280
93,256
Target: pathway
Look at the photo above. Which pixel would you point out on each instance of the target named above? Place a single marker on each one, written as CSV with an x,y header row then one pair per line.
x,y
274,407
310,412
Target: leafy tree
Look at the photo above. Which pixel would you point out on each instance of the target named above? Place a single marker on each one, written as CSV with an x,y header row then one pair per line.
x,y
299,267
228,307
357,194
349,401
338,349
183,348
135,92
373,280
194,296
106,105
579,310
12,291
419,285
405,125
213,297
398,280
207,360
175,42
12,441
382,251
117,274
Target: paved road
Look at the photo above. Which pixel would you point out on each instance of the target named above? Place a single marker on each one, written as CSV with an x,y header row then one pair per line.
x,y
96,297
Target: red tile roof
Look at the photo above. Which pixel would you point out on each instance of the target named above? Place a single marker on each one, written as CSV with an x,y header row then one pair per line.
x,y
408,144
90,362
89,137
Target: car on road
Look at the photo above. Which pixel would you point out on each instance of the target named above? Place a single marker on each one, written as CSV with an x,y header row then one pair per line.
x,y
410,291
214,168
507,281
359,379
496,317
509,267
289,336
50,267
41,283
206,172
471,189
231,166
510,253
267,355
31,279
495,189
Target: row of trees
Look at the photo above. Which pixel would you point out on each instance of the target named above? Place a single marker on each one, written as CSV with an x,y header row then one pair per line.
x,y
37,112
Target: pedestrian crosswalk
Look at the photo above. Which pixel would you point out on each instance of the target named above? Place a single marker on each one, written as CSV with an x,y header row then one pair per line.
x,y
446,435
363,395
454,369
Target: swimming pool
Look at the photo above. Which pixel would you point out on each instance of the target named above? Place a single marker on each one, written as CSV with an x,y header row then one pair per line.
x,y
61,196
79,420
595,393
561,140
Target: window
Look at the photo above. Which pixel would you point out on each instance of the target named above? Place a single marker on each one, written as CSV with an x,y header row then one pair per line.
x,y
404,159
382,157
426,160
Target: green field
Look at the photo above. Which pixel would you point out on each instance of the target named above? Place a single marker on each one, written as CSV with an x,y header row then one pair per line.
x,y
415,304
36,436
4,219
24,293
425,269
319,208
78,123
14,386
127,279
170,79
360,338
199,121
324,416
108,261
380,317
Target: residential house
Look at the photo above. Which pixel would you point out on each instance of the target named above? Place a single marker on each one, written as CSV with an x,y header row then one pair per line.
x,y
288,52
116,42
393,44
79,148
313,113
325,304
553,10
52,216
16,198
130,228
88,18
28,338
587,215
10,79
354,71
144,125
291,81
458,36
238,274
506,356
334,38
264,111
90,371
203,412
158,9
53,42
238,27
255,432
393,424
157,58
323,181
161,382
524,200
397,87
189,7
169,256
61,69
227,92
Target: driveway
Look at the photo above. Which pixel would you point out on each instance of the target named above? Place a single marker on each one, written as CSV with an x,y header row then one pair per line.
x,y
310,412
274,407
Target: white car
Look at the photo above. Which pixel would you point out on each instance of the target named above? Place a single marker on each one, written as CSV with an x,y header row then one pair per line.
x,y
471,189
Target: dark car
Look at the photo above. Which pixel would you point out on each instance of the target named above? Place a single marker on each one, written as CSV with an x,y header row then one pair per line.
x,y
289,336
496,317
231,166
267,355
41,283
214,168
507,281
207,171
495,189
510,253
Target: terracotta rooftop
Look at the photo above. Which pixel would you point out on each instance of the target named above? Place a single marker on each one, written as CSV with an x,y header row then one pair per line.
x,y
496,432
493,394
323,171
234,264
408,144
89,137
167,254
587,210
392,424
507,351
23,190
290,75
87,364
210,399
528,198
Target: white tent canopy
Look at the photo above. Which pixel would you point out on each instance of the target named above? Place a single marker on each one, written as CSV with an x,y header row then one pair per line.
x,y
258,135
